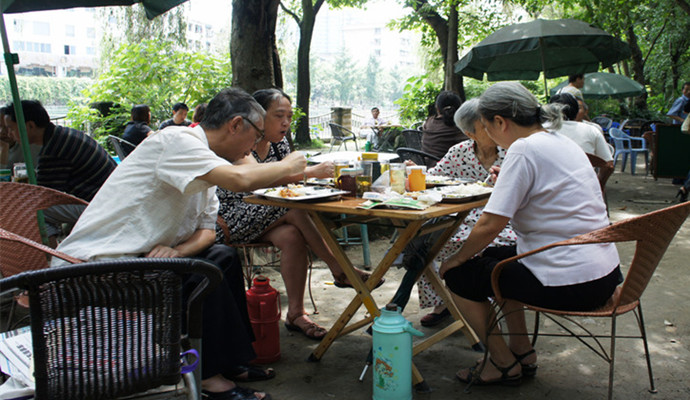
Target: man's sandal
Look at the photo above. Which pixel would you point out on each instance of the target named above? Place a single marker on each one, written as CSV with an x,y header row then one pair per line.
x,y
474,377
312,330
249,373
236,393
528,370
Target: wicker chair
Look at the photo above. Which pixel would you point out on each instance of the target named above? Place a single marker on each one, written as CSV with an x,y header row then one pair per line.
x,y
417,156
653,233
121,146
413,138
102,330
340,136
18,214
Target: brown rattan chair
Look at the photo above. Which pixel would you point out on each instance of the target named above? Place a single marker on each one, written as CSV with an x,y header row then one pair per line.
x,y
18,214
107,329
248,264
652,233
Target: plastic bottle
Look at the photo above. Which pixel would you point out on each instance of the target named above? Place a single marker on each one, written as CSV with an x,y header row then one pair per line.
x,y
417,179
263,303
392,350
367,146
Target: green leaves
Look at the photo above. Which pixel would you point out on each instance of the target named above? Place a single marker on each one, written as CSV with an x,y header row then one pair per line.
x,y
155,73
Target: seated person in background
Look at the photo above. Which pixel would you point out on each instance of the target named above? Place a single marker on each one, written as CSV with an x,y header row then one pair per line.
x,y
469,159
198,114
677,111
588,137
292,231
69,161
179,118
10,150
138,128
566,278
685,128
371,123
439,132
161,202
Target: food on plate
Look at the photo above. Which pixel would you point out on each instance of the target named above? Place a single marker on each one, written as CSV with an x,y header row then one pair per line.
x,y
466,190
443,180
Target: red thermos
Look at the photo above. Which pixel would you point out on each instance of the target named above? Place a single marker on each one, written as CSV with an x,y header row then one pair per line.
x,y
263,303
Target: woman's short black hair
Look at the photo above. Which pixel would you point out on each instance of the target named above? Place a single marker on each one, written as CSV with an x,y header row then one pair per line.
x,y
140,113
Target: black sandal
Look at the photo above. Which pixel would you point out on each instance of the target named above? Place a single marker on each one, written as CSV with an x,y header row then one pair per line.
x,y
474,377
311,330
528,370
340,284
254,373
236,393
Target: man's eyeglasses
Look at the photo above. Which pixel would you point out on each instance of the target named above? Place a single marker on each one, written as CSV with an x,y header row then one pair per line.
x,y
262,134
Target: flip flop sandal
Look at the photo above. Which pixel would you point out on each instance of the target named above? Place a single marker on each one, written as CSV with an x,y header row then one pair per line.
x,y
254,373
237,393
528,370
474,377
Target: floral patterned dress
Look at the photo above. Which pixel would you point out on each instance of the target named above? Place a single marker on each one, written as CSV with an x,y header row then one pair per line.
x,y
247,222
461,162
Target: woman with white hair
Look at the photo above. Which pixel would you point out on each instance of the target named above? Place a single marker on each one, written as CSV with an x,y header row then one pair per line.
x,y
548,190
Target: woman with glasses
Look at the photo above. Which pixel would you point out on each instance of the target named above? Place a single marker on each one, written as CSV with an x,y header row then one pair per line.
x,y
549,192
291,231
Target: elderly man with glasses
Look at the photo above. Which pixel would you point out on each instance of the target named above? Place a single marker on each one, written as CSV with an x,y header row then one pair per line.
x,y
161,202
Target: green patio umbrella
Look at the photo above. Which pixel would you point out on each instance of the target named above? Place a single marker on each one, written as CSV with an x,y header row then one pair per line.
x,y
555,47
153,8
603,85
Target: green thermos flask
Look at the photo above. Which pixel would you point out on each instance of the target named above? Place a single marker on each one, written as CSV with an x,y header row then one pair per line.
x,y
392,350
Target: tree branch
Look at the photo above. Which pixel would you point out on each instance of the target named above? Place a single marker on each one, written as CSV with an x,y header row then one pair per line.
x,y
651,45
317,6
292,14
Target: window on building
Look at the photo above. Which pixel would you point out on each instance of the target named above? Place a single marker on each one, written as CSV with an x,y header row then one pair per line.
x,y
18,25
45,47
377,31
377,53
69,30
209,31
198,29
91,33
70,49
91,51
41,28
18,45
377,42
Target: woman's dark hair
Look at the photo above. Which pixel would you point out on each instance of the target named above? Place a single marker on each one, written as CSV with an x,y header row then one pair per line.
x,y
570,102
266,97
199,112
141,113
447,103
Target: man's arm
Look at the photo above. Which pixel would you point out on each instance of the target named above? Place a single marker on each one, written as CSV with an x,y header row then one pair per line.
x,y
198,242
249,176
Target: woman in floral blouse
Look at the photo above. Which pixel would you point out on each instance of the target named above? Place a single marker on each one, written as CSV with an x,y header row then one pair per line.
x,y
469,159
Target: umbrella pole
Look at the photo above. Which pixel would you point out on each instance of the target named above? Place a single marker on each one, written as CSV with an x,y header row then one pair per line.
x,y
543,69
10,61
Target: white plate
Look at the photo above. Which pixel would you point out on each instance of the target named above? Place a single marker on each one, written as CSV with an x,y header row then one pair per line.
x,y
463,193
306,193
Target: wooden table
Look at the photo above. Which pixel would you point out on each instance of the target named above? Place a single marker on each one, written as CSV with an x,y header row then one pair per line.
x,y
410,225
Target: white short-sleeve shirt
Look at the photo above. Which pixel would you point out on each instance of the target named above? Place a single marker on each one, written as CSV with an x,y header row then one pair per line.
x,y
153,197
589,138
550,191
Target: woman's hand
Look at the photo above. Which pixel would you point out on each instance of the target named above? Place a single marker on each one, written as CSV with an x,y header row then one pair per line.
x,y
321,171
493,173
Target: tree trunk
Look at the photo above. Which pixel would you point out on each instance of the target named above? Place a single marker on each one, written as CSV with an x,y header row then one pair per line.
x,y
452,81
251,44
306,29
637,66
